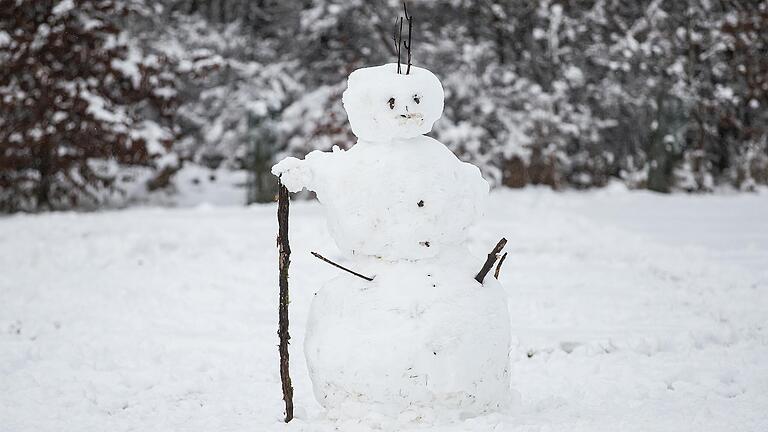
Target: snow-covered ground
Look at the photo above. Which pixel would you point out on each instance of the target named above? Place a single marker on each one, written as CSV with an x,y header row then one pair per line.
x,y
630,311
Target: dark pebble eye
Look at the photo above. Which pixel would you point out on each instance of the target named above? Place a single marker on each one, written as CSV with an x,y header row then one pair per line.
x,y
391,103
416,99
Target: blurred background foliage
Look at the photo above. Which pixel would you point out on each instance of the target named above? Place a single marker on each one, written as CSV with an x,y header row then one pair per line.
x,y
105,101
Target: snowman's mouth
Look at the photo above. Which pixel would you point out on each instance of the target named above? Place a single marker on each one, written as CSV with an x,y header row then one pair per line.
x,y
416,118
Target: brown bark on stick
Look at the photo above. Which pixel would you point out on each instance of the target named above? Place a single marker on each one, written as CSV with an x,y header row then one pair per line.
x,y
407,45
491,260
284,252
498,266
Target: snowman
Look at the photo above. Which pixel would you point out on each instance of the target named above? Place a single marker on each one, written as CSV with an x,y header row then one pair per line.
x,y
422,338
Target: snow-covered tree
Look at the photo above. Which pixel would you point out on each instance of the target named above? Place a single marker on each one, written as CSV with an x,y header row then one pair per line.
x,y
656,94
78,101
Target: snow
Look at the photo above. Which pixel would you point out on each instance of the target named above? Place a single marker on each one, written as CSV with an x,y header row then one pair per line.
x,y
63,7
154,136
129,67
629,311
98,107
5,38
574,75
724,92
59,116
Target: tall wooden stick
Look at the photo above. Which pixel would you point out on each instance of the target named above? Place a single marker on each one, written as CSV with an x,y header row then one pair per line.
x,y
284,252
492,257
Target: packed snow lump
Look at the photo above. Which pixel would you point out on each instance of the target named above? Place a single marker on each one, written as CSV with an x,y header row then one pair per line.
x,y
423,337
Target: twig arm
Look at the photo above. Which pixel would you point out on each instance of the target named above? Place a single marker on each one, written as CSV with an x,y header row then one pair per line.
x,y
320,257
490,260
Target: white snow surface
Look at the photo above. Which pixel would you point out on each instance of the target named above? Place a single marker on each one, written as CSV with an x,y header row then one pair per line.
x,y
629,311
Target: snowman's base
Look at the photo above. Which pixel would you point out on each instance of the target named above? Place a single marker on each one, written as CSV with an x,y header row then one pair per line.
x,y
421,338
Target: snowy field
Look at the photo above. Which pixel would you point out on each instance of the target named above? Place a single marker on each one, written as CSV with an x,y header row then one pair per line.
x,y
630,311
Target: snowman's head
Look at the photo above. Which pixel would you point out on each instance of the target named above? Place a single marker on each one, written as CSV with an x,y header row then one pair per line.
x,y
383,105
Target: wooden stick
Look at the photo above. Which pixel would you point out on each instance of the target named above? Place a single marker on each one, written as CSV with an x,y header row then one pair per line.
x,y
284,252
317,255
492,257
399,42
498,266
410,32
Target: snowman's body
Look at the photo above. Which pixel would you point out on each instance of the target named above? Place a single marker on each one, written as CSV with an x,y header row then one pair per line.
x,y
403,199
423,334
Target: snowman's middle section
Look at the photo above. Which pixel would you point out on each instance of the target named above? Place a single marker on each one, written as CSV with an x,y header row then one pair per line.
x,y
404,199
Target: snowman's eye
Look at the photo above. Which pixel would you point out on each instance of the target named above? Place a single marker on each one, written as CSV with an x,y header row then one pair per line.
x,y
391,103
416,99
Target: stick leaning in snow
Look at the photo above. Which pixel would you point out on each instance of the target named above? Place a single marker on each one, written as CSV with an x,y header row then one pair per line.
x,y
284,250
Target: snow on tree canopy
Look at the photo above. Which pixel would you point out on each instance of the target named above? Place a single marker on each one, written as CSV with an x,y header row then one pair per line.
x,y
78,100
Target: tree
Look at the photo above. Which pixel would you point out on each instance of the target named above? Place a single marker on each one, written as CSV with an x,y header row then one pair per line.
x,y
78,101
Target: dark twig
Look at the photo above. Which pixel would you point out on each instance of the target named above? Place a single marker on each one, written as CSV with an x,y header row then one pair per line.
x,y
284,260
317,255
498,266
399,42
410,34
492,257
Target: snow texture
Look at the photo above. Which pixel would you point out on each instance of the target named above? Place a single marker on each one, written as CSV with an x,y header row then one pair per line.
x,y
629,311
